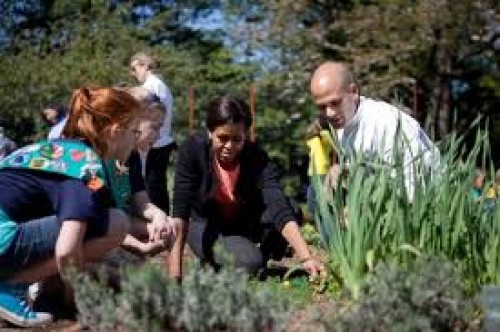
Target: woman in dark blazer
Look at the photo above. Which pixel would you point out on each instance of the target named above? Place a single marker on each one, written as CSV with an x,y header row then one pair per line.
x,y
227,193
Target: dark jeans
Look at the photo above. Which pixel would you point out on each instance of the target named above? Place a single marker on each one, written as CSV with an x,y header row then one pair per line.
x,y
240,250
35,241
248,250
156,176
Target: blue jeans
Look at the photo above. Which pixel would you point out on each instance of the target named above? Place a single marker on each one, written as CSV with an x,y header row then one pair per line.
x,y
35,241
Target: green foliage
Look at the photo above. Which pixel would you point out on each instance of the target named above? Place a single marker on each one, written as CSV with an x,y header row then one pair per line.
x,y
49,48
96,302
311,235
428,296
296,289
374,219
90,42
418,50
206,301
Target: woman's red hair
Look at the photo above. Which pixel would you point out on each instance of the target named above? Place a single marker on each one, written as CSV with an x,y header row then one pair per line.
x,y
93,110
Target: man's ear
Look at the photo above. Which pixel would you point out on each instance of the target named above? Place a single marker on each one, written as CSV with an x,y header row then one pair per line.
x,y
353,88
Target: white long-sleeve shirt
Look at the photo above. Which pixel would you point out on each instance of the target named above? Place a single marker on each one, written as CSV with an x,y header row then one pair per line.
x,y
154,84
56,130
371,134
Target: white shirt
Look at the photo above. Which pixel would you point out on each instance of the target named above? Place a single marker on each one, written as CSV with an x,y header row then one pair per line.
x,y
56,130
143,155
371,134
160,89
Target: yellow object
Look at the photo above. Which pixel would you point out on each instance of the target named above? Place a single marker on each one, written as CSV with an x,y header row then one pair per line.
x,y
491,193
320,148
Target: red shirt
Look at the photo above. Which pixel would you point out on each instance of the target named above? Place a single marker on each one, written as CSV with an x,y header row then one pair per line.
x,y
224,192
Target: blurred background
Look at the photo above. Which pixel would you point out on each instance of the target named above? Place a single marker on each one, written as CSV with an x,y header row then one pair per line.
x,y
439,60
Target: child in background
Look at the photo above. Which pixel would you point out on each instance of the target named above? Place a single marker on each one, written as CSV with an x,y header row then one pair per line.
x,y
6,145
476,191
56,117
150,124
129,178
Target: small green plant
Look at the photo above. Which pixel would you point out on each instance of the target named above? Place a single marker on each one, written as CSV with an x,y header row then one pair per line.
x,y
428,296
205,301
311,235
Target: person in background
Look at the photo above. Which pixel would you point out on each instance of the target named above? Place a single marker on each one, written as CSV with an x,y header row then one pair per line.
x,y
227,193
477,188
143,68
56,116
150,124
143,238
6,145
57,210
369,129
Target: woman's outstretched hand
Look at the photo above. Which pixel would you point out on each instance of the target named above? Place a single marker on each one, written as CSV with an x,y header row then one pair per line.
x,y
313,266
162,227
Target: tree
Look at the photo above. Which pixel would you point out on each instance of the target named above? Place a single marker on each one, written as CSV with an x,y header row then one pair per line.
x,y
419,52
89,42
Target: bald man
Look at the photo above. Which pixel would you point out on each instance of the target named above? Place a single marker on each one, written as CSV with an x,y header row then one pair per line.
x,y
366,128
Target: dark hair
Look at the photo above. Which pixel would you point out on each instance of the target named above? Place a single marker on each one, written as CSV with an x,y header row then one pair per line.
x,y
227,110
60,109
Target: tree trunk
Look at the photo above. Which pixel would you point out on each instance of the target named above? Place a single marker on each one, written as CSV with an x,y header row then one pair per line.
x,y
444,110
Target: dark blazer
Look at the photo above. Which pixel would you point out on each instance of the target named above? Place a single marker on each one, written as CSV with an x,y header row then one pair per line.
x,y
258,189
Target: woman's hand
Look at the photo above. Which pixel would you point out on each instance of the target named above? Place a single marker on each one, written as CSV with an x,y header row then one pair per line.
x,y
161,227
313,266
292,234
152,247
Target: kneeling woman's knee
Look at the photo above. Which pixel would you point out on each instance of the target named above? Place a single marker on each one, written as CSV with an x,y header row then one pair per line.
x,y
119,223
240,253
250,264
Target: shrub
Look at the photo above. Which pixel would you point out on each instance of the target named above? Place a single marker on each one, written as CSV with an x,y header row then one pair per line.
x,y
206,301
427,297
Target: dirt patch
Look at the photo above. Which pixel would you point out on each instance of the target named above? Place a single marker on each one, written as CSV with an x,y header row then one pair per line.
x,y
308,318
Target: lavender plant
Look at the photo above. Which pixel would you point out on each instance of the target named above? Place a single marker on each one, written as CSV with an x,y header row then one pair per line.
x,y
206,301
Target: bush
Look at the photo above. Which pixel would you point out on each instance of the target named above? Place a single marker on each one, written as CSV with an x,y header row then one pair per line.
x,y
427,297
206,301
